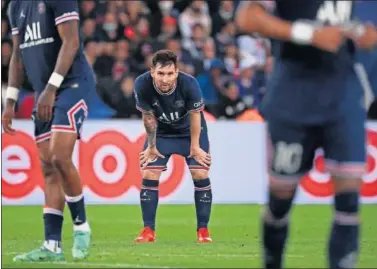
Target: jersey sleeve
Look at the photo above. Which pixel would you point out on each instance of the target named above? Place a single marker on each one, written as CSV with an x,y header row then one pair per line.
x,y
12,17
194,100
141,101
64,10
268,5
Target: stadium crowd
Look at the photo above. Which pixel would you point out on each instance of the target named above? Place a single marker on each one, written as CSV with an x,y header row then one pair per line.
x,y
121,36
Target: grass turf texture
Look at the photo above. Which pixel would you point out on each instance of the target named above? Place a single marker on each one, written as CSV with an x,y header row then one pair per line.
x,y
234,229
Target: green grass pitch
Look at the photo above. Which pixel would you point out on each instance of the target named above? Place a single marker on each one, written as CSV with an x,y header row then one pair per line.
x,y
234,229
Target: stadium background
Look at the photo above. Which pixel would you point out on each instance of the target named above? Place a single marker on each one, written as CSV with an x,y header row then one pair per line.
x,y
232,69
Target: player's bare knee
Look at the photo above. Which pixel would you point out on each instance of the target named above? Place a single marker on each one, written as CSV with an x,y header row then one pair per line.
x,y
199,174
61,161
276,213
342,184
283,189
281,194
48,168
344,178
151,174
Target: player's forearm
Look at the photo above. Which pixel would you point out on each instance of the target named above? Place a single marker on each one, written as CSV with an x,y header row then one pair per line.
x,y
195,128
150,125
16,75
254,19
67,54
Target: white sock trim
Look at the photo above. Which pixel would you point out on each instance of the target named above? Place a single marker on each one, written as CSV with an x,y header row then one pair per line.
x,y
74,199
53,246
82,227
48,210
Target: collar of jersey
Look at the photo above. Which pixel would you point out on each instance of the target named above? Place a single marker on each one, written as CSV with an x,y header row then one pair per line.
x,y
165,93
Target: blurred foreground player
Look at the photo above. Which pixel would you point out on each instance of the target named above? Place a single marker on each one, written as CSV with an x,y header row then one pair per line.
x,y
171,103
313,100
46,42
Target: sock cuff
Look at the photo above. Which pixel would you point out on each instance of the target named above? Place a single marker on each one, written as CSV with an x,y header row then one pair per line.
x,y
52,211
150,184
74,199
347,202
202,184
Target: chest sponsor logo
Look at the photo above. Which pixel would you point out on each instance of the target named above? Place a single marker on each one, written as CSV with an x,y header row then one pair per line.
x,y
33,36
170,117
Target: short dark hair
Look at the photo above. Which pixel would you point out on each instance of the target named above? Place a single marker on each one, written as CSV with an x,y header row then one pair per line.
x,y
164,58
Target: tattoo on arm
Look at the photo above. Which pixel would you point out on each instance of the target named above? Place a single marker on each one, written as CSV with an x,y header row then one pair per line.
x,y
150,125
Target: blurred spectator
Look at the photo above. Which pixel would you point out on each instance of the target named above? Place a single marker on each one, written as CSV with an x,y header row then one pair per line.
x,y
196,13
169,29
108,31
105,60
209,54
91,51
166,7
186,62
224,15
88,9
257,47
195,44
120,97
231,59
225,36
231,105
138,32
134,10
88,29
122,63
248,88
211,83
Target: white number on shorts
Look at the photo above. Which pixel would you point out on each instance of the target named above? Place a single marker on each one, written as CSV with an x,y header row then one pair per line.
x,y
288,157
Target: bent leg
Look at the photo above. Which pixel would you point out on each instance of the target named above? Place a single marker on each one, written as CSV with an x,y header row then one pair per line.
x,y
292,151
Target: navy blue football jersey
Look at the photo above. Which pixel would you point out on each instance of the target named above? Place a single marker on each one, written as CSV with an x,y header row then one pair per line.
x,y
171,109
308,85
36,22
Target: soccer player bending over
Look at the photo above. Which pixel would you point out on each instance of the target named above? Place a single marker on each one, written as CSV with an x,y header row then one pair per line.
x,y
313,100
171,103
46,42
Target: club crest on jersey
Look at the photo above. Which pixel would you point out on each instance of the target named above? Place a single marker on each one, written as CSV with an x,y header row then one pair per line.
x,y
41,8
179,103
